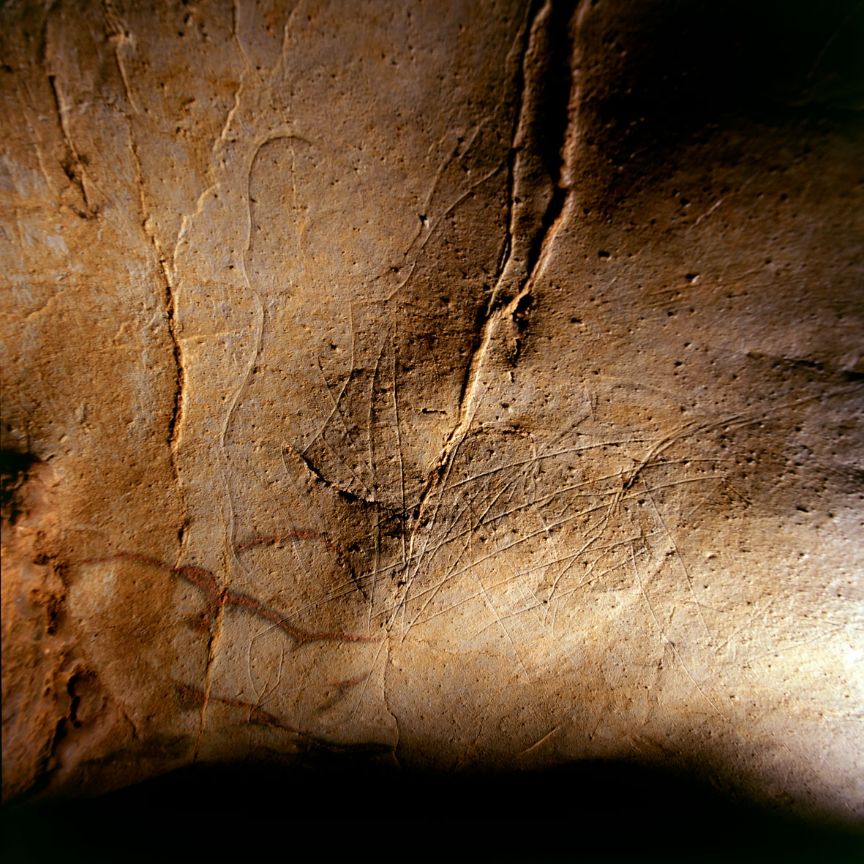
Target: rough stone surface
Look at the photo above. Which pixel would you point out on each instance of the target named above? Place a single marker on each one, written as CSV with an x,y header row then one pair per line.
x,y
477,384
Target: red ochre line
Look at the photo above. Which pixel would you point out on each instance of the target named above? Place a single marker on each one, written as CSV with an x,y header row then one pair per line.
x,y
205,581
257,715
200,577
194,696
347,683
231,598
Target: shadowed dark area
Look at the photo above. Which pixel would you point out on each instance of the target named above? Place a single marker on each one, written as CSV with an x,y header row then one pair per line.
x,y
671,74
582,812
666,86
14,466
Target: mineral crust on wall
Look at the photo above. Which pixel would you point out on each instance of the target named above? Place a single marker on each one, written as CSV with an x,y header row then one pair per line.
x,y
480,383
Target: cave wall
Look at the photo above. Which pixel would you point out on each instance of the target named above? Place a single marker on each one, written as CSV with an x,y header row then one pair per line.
x,y
468,384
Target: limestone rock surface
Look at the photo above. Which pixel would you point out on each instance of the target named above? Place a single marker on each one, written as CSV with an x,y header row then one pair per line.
x,y
474,384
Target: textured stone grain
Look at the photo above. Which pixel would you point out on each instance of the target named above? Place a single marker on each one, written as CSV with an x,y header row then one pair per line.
x,y
476,384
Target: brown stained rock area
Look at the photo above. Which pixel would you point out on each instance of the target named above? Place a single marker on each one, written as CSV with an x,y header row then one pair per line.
x,y
475,385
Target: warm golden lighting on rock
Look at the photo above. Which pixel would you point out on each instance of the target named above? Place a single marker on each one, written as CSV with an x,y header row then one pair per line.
x,y
453,386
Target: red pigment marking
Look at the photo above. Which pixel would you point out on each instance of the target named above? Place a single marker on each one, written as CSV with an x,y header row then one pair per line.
x,y
205,581
346,683
231,598
200,577
338,689
202,622
192,698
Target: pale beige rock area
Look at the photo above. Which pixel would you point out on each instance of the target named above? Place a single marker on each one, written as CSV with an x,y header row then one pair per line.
x,y
478,384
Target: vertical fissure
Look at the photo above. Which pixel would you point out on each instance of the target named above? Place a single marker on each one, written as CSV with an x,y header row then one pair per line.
x,y
537,192
73,165
168,302
169,310
537,160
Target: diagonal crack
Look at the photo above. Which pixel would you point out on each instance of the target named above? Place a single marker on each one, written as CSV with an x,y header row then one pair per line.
x,y
169,306
212,644
73,165
389,709
117,34
340,490
538,180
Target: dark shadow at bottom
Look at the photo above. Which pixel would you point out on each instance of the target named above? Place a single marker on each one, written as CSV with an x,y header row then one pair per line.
x,y
343,810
